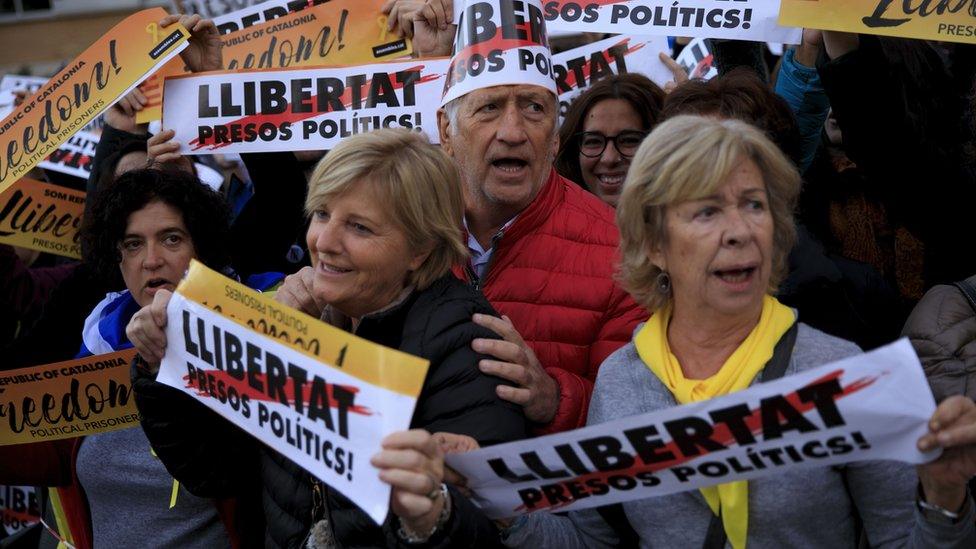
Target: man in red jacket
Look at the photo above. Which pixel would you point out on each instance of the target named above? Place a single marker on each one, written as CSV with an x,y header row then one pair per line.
x,y
543,250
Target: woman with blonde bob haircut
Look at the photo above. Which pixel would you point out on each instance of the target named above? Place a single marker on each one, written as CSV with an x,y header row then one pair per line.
x,y
706,221
385,212
421,190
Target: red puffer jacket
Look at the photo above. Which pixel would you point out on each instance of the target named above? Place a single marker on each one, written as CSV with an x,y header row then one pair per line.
x,y
552,274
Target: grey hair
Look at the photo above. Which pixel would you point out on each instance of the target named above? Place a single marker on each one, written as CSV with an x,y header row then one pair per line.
x,y
451,110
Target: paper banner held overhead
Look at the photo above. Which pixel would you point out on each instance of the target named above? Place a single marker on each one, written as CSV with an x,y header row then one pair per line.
x,y
338,32
108,69
498,42
948,20
579,68
735,19
302,109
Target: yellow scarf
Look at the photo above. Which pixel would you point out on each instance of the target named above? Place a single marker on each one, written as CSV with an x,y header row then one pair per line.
x,y
731,498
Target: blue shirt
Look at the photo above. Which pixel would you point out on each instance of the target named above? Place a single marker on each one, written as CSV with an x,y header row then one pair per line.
x,y
480,257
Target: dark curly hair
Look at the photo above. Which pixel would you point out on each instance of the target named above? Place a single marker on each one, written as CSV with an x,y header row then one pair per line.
x,y
205,214
644,96
742,95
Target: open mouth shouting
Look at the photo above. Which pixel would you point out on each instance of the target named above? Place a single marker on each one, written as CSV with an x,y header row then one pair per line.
x,y
509,166
737,277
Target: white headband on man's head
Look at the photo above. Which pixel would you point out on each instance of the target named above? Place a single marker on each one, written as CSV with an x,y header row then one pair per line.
x,y
498,42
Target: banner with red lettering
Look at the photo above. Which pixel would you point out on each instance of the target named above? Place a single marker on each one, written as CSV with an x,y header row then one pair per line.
x,y
74,156
326,406
736,19
260,13
19,509
498,42
579,68
337,32
301,109
697,60
867,407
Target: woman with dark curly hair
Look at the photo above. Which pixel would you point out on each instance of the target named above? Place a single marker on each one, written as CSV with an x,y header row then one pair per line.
x,y
602,130
142,232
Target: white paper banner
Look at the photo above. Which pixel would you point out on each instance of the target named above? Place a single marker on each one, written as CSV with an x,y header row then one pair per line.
x,y
739,19
13,82
301,109
211,9
498,42
697,60
260,13
872,406
74,156
579,68
333,427
19,509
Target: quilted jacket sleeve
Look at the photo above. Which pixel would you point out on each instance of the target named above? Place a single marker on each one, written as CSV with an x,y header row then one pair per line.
x,y
622,317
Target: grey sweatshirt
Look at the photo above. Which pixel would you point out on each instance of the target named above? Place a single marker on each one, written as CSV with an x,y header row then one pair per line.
x,y
799,508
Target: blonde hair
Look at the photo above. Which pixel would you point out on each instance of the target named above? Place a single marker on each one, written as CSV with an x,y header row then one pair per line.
x,y
420,186
689,158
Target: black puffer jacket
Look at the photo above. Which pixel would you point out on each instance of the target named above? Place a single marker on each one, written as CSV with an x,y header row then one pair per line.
x,y
213,459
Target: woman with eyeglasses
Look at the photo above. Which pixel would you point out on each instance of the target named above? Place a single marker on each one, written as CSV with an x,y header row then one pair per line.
x,y
603,129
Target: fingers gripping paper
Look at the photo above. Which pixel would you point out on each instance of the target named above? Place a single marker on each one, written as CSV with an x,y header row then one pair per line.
x,y
872,406
326,406
498,42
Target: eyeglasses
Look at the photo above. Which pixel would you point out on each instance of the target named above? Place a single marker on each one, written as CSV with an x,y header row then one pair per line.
x,y
592,144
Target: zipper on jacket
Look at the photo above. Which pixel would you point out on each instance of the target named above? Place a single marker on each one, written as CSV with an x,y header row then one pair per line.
x,y
318,499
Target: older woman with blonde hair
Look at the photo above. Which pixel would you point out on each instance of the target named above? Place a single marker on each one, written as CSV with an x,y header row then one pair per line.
x,y
706,222
385,210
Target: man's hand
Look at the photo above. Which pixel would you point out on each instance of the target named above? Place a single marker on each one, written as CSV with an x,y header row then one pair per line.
x,y
122,115
296,292
677,71
203,52
427,22
952,428
535,391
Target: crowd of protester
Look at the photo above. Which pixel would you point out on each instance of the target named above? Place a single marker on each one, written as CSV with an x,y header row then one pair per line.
x,y
660,246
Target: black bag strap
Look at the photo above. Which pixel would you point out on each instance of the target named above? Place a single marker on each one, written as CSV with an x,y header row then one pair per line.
x,y
715,538
614,516
968,289
777,365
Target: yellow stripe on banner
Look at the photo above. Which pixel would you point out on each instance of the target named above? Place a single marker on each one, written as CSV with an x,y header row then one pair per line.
x,y
378,365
